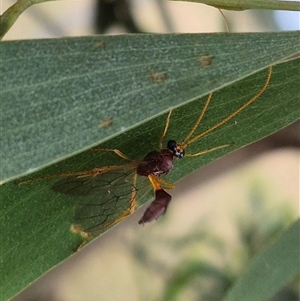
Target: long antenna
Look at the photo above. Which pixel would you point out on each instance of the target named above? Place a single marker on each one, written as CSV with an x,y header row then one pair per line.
x,y
248,103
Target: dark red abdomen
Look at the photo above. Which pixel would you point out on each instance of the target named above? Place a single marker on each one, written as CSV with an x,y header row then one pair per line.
x,y
157,208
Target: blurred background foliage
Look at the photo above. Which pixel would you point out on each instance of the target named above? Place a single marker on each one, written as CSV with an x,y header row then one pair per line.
x,y
207,263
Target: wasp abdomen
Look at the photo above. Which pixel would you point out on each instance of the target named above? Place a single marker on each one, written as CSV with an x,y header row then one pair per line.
x,y
157,208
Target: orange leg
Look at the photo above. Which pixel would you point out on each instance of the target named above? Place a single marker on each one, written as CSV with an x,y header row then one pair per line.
x,y
79,174
161,140
116,151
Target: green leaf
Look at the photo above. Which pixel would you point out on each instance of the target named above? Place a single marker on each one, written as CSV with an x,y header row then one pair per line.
x,y
187,273
270,269
57,94
250,4
10,16
49,115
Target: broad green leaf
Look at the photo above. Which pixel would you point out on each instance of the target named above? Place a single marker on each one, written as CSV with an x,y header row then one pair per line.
x,y
37,220
270,270
62,96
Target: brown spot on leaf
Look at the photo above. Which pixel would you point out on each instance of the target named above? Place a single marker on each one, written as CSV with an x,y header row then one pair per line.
x,y
105,123
100,44
205,60
158,77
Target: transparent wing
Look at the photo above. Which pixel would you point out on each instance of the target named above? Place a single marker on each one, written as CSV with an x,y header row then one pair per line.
x,y
105,199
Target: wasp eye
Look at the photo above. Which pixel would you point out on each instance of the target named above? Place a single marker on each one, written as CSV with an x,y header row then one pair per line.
x,y
178,152
172,144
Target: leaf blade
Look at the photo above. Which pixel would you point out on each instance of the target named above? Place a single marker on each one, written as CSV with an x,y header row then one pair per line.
x,y
37,221
270,269
57,113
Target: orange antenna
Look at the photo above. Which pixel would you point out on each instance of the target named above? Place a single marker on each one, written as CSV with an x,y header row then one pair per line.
x,y
192,131
185,142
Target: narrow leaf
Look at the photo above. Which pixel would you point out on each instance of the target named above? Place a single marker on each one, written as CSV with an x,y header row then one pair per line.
x,y
270,269
250,4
